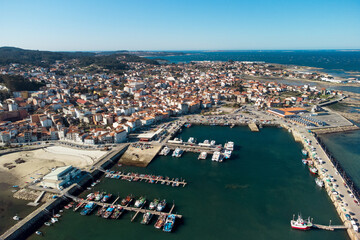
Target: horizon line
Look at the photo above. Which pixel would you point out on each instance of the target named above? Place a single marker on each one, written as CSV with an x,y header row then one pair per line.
x,y
195,50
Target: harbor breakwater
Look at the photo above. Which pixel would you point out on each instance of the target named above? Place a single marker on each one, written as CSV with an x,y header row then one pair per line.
x,y
27,226
344,177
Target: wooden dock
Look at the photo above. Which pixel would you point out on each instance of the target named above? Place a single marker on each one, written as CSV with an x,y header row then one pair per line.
x,y
192,147
127,208
253,127
141,178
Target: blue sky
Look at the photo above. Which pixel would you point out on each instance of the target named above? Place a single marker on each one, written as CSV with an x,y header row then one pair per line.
x,y
180,24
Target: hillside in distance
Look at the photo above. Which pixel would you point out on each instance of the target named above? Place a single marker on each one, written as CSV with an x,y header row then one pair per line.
x,y
112,60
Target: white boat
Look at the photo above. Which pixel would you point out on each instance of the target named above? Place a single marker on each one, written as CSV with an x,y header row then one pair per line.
x,y
216,156
202,156
177,153
165,151
229,146
54,220
191,140
206,143
213,142
227,154
16,218
319,182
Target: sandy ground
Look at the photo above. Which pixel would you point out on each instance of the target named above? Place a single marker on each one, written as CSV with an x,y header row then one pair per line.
x,y
140,157
26,166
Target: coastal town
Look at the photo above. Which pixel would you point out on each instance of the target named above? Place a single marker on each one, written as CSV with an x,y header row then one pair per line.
x,y
78,124
94,109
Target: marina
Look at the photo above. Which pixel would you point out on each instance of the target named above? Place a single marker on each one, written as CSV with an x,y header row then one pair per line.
x,y
234,183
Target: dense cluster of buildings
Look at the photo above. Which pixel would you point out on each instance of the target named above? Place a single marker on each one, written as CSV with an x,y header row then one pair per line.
x,y
105,108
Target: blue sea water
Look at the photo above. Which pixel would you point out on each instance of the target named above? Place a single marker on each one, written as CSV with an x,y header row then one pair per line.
x,y
336,62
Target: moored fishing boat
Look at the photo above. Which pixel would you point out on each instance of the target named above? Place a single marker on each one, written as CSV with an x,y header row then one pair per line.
x,y
108,212
146,218
160,222
106,198
88,208
178,152
101,211
319,182
90,197
117,212
229,146
140,202
165,151
301,224
304,152
304,161
154,204
227,154
313,170
160,207
127,200
169,223
216,156
191,140
98,196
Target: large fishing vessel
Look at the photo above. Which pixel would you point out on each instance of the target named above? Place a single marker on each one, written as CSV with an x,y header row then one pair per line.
x,y
177,153
301,224
202,156
229,146
140,202
169,224
165,151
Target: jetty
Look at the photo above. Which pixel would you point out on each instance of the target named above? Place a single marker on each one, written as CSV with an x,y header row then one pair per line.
x,y
37,200
191,147
253,127
140,177
329,227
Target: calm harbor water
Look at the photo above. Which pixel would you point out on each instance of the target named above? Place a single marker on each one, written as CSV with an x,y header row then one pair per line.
x,y
10,206
251,196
